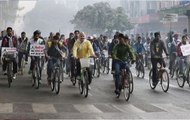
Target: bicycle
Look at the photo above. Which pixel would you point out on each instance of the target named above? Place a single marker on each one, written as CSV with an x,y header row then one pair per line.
x,y
126,81
9,57
55,77
174,67
36,73
185,76
140,72
22,65
162,76
84,81
97,67
75,73
106,62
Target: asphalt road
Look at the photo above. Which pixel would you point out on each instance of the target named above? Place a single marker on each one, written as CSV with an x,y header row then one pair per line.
x,y
22,101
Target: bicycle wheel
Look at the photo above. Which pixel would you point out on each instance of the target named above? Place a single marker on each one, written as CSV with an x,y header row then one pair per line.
x,y
57,82
9,74
85,84
81,86
22,66
141,70
150,80
165,81
137,70
37,82
53,81
75,77
127,88
108,65
131,83
180,79
98,68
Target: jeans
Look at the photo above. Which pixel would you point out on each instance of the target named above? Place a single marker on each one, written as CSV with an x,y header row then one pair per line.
x,y
50,66
172,60
155,61
20,56
33,60
118,65
181,63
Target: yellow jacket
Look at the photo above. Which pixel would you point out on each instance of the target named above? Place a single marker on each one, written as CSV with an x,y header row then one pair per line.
x,y
83,50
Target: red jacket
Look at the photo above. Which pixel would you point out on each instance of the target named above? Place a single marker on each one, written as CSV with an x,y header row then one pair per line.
x,y
5,41
179,53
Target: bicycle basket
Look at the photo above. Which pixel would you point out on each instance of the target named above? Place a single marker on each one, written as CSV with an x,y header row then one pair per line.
x,y
85,62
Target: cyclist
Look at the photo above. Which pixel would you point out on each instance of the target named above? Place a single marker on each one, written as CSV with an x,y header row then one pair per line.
x,y
38,41
120,53
157,47
173,51
10,41
180,55
54,51
83,49
139,50
70,47
147,49
114,42
22,49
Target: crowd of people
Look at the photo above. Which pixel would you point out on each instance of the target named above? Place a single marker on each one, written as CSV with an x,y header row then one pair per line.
x,y
78,45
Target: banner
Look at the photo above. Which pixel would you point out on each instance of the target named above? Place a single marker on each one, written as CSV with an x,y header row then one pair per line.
x,y
185,49
37,50
8,50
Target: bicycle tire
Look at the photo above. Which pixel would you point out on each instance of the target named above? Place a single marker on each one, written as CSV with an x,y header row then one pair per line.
x,y
126,87
131,82
57,82
98,70
81,86
37,83
150,80
180,79
85,84
165,89
108,66
141,72
52,81
9,72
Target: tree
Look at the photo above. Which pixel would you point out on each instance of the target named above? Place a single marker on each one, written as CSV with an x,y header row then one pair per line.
x,y
100,18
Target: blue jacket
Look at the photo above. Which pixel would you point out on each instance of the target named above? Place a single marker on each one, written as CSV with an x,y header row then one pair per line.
x,y
139,48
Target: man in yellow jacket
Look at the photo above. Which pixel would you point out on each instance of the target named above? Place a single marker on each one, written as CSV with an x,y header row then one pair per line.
x,y
83,49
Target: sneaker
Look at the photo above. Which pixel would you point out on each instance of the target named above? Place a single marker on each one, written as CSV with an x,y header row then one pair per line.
x,y
14,76
112,72
26,62
117,93
5,73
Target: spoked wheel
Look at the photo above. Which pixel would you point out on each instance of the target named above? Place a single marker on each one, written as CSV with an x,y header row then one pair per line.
x,y
57,82
22,67
107,66
52,82
165,81
127,89
74,79
150,80
37,82
9,74
98,69
81,86
141,71
85,84
180,79
131,83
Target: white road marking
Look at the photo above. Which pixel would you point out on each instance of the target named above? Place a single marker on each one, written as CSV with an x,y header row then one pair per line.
x,y
83,108
6,108
43,108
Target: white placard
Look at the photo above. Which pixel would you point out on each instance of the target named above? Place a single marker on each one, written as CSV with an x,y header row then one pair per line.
x,y
185,49
37,50
8,50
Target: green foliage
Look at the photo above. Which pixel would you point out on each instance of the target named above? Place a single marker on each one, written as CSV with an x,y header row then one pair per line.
x,y
100,18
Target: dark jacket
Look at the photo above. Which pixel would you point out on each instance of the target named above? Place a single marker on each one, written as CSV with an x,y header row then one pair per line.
x,y
6,39
157,48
